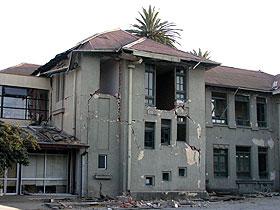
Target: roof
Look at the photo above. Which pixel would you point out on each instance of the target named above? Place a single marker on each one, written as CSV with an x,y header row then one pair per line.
x,y
21,69
235,77
117,40
48,136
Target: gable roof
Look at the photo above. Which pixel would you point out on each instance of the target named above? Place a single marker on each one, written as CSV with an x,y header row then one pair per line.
x,y
235,77
21,69
117,40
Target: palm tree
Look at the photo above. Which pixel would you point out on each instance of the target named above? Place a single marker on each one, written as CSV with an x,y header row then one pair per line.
x,y
151,26
199,53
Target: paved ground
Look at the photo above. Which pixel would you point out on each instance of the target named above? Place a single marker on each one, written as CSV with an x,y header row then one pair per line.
x,y
248,204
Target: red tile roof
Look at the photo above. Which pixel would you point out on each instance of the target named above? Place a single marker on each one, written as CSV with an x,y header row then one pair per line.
x,y
242,78
21,69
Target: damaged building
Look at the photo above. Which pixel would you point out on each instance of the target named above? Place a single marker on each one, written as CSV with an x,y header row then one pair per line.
x,y
127,114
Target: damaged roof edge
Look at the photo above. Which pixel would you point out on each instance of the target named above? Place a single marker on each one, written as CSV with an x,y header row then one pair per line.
x,y
236,87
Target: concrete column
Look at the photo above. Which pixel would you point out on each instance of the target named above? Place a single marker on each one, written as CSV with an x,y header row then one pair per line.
x,y
253,112
208,108
254,163
231,110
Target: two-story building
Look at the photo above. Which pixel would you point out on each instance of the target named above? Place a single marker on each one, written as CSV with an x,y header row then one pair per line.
x,y
127,114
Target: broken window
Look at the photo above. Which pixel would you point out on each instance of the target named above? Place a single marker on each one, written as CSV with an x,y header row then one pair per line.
x,y
180,85
242,110
109,77
102,161
150,85
243,159
165,131
261,112
219,108
23,103
59,87
181,128
149,139
166,176
263,162
149,180
182,171
220,162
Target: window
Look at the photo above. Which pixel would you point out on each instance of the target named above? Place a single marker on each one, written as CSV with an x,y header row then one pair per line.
x,y
166,176
150,85
182,171
23,103
149,141
149,180
261,112
180,85
181,128
243,166
165,131
220,162
102,161
263,163
219,108
242,114
59,87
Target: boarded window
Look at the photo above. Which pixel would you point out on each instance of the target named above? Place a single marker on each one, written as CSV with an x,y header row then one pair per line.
x,y
242,110
149,139
219,108
220,162
165,131
261,112
243,165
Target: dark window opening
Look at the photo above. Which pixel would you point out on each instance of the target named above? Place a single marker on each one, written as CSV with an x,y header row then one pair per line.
x,y
220,162
182,171
166,176
165,131
181,128
150,85
219,108
149,180
261,112
102,161
149,139
59,87
180,85
263,162
242,110
23,103
243,162
109,77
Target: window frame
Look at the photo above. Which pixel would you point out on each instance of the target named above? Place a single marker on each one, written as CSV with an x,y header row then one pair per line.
x,y
105,162
150,129
263,151
152,179
168,177
243,151
261,101
150,69
43,102
220,173
223,119
166,128
246,120
182,125
181,74
185,171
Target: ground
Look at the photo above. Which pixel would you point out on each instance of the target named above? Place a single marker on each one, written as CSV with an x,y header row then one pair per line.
x,y
264,203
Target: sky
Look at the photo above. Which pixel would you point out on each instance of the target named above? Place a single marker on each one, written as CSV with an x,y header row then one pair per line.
x,y
238,33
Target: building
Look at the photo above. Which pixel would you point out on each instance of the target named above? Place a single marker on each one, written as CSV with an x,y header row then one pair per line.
x,y
127,114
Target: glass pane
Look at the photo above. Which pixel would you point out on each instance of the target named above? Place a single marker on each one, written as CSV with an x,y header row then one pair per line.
x,y
15,91
13,113
59,186
14,102
36,167
11,187
57,166
32,186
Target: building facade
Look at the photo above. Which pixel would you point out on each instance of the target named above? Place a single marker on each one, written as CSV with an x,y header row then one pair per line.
x,y
127,114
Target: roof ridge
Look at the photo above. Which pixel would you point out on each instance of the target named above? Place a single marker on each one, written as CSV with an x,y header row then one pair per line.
x,y
142,39
96,35
249,70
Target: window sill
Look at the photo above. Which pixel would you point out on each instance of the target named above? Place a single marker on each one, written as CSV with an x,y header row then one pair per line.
x,y
219,125
243,127
221,177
